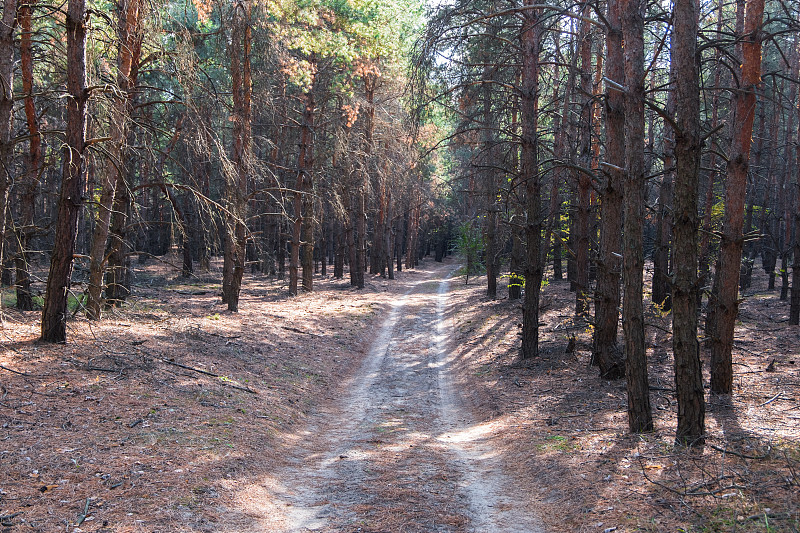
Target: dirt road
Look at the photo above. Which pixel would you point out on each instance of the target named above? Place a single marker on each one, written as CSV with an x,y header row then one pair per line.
x,y
399,451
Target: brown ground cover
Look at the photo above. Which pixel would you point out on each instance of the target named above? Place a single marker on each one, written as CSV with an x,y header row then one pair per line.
x,y
169,414
563,428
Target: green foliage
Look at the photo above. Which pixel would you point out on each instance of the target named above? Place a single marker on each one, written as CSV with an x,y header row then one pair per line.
x,y
74,302
469,245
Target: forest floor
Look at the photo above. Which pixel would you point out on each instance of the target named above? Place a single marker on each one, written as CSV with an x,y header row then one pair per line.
x,y
399,408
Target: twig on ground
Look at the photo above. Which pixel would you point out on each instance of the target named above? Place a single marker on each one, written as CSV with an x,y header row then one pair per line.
x,y
82,517
296,330
693,491
771,399
737,454
207,373
15,371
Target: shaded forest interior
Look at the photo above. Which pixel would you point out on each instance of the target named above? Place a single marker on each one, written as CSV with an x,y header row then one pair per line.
x,y
647,152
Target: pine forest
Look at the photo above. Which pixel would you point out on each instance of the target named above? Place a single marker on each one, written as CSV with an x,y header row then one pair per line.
x,y
400,266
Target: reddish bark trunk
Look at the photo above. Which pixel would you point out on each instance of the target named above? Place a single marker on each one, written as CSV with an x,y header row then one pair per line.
x,y
606,352
236,232
127,31
7,23
726,303
34,160
54,314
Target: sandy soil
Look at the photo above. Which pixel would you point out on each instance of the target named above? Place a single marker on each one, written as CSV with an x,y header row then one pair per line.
x,y
402,407
399,451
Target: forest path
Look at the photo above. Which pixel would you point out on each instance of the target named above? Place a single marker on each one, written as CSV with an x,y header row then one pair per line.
x,y
399,452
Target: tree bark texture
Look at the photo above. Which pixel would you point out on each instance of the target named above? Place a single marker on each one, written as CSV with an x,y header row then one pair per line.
x,y
640,418
54,314
7,24
726,301
688,151
606,352
583,240
530,40
241,78
305,166
794,302
33,162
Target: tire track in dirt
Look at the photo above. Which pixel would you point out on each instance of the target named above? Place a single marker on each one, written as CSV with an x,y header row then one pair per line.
x,y
400,452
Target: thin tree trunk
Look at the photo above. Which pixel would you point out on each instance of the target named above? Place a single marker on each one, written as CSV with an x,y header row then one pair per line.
x,y
54,314
34,160
705,236
7,23
794,303
118,266
305,166
661,278
583,240
127,30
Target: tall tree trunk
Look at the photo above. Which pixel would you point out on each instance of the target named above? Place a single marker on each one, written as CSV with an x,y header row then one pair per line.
x,y
118,272
366,164
605,352
54,314
560,125
34,160
583,240
388,236
7,23
705,238
129,15
486,167
305,166
530,41
726,303
794,303
661,279
236,232
688,151
640,418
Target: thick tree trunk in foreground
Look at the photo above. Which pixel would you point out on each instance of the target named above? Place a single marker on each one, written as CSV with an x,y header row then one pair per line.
x,y
640,418
236,232
606,352
530,38
725,304
688,150
54,314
